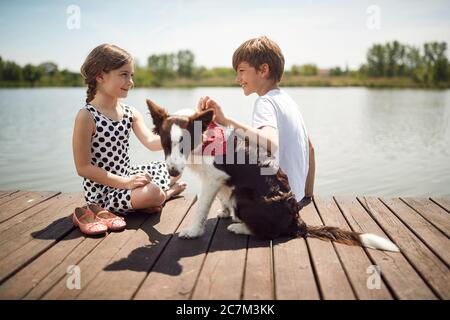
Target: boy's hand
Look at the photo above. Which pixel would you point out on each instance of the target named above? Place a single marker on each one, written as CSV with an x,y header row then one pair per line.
x,y
206,103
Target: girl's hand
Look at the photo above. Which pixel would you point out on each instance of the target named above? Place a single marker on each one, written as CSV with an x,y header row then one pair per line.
x,y
206,103
138,180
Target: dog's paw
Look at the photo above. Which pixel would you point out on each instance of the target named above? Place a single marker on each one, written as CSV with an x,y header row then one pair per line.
x,y
191,233
223,213
236,219
239,228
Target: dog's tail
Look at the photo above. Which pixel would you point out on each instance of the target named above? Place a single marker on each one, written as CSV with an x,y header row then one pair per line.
x,y
367,240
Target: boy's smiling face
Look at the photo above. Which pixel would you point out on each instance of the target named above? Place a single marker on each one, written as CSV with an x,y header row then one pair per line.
x,y
248,78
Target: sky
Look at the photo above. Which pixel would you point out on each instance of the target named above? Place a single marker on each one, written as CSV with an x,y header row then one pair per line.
x,y
327,33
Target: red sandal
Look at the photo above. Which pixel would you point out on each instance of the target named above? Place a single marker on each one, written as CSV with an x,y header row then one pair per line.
x,y
113,222
87,222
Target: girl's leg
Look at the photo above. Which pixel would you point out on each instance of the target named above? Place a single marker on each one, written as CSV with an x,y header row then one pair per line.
x,y
149,198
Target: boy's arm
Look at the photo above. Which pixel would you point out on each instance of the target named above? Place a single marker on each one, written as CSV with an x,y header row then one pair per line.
x,y
150,140
266,135
309,186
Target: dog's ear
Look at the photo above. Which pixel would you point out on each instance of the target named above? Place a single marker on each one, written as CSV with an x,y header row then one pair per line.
x,y
158,115
205,117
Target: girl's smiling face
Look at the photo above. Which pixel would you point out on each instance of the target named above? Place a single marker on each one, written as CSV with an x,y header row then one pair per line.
x,y
116,83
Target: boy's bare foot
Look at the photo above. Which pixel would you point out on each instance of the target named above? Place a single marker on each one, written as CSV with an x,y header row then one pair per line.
x,y
175,189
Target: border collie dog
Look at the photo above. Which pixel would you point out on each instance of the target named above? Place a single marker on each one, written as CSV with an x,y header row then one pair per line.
x,y
262,205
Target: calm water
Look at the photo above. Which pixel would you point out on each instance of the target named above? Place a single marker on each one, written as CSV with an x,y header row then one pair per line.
x,y
368,142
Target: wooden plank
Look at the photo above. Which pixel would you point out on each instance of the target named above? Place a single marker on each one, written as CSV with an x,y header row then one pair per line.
x,y
424,261
6,193
396,271
430,235
174,274
258,280
125,272
12,195
104,254
331,277
81,252
432,212
24,248
92,263
29,281
443,202
46,211
40,225
20,204
222,274
353,259
293,272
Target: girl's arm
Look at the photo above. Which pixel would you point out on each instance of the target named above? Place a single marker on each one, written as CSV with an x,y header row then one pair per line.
x,y
150,140
81,144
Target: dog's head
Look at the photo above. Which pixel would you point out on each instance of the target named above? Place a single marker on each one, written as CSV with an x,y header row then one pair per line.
x,y
180,134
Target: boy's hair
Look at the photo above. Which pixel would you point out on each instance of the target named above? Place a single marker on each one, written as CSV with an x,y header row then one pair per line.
x,y
258,51
103,58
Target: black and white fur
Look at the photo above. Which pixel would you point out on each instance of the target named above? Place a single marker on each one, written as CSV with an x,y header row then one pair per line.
x,y
260,205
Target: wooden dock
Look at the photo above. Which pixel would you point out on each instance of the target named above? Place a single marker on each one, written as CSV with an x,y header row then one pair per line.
x,y
39,247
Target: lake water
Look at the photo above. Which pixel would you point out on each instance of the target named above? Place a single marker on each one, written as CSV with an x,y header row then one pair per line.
x,y
368,142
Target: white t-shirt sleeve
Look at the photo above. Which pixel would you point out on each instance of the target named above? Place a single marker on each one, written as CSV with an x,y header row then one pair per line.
x,y
264,114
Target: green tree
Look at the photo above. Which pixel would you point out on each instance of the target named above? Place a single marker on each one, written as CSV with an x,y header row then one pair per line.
x,y
185,63
162,67
32,74
436,62
376,61
304,70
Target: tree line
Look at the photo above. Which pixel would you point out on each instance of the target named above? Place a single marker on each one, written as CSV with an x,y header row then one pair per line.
x,y
427,66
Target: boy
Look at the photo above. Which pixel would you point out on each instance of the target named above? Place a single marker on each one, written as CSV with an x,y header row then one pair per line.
x,y
259,64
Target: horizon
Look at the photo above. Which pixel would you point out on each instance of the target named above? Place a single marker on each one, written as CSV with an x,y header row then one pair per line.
x,y
329,35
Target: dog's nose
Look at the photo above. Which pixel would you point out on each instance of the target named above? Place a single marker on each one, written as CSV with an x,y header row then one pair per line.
x,y
173,172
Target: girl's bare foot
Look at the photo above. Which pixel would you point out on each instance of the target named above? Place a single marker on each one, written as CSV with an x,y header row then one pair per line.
x,y
175,189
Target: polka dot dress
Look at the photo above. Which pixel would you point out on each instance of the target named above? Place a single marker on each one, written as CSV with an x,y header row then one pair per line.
x,y
109,149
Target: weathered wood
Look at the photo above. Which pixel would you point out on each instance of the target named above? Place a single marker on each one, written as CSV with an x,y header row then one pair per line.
x,y
99,257
20,204
148,261
127,269
353,259
430,267
174,274
443,202
331,277
44,219
222,274
31,276
396,271
432,237
60,271
294,275
258,279
10,196
432,212
6,193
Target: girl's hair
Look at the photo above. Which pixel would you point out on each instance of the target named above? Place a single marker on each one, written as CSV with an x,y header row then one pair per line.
x,y
104,58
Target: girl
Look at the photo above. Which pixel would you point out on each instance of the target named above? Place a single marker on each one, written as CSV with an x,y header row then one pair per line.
x,y
101,140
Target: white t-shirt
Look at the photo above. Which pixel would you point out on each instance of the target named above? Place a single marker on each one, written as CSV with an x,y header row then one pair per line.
x,y
277,109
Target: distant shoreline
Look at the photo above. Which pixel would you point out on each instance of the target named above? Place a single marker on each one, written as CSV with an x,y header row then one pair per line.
x,y
288,81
